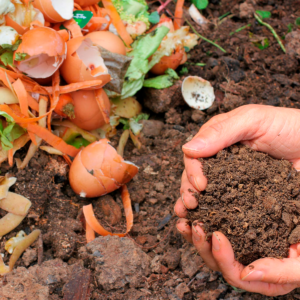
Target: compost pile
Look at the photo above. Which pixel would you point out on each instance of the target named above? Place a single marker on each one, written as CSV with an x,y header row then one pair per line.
x,y
253,199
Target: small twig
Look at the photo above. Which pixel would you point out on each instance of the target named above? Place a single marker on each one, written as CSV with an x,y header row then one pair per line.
x,y
204,38
163,6
167,10
260,21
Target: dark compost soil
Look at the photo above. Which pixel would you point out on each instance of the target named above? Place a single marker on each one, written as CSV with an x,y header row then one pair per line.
x,y
253,199
243,75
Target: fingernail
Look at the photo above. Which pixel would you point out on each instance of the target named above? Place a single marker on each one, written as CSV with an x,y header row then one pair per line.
x,y
195,145
182,200
254,276
196,235
216,242
196,183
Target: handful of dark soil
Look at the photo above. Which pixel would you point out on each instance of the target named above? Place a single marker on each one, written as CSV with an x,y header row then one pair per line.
x,y
253,199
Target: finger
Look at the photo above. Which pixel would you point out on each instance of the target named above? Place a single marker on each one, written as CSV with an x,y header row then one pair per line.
x,y
194,173
232,270
187,192
179,209
296,164
203,246
272,270
294,251
224,131
184,228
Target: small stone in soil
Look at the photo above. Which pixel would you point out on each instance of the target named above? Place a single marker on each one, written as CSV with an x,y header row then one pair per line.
x,y
164,222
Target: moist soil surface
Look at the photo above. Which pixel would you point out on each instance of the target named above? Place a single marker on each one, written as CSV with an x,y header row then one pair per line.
x,y
253,199
244,74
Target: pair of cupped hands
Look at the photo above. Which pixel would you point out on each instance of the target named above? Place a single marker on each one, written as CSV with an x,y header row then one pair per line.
x,y
272,130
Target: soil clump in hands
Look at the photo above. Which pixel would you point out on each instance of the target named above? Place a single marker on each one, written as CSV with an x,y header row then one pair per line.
x,y
253,199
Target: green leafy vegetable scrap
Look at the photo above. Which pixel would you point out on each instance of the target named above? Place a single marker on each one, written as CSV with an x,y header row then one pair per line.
x,y
11,132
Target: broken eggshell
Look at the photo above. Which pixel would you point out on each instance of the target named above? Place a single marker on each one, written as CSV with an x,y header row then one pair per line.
x,y
55,11
89,113
83,62
8,35
98,170
23,15
197,92
45,49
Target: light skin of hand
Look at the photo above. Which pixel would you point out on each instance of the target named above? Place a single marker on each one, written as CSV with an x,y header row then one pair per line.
x,y
268,129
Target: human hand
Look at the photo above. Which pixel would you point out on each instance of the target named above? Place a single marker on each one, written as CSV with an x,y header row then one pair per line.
x,y
263,128
273,130
267,276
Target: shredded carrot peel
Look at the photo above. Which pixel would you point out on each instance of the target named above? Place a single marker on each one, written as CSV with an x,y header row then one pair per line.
x,y
93,223
117,22
178,14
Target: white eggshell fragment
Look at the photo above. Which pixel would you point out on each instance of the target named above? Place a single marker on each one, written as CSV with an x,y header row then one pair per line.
x,y
8,35
197,92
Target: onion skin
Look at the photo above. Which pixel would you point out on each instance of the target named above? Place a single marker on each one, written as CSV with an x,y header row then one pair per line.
x,y
169,62
98,170
88,115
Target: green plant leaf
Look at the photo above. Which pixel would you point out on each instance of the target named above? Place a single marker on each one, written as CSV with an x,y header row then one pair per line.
x,y
125,122
20,56
264,14
154,17
6,46
183,71
141,116
200,4
7,58
262,45
297,21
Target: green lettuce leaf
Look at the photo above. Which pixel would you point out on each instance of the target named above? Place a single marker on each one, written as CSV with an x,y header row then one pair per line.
x,y
162,81
143,48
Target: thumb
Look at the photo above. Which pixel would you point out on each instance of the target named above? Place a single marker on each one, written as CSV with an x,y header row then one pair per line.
x,y
225,130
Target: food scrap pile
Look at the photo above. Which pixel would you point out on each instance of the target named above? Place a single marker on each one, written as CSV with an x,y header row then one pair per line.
x,y
69,73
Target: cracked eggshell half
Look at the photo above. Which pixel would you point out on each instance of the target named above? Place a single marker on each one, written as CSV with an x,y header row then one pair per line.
x,y
98,170
88,114
23,15
197,92
45,49
84,62
55,11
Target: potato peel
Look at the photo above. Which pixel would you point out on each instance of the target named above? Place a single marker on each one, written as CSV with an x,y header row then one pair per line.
x,y
22,246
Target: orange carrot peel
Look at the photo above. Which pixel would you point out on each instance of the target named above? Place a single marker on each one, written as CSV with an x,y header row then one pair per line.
x,y
97,227
178,14
117,22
